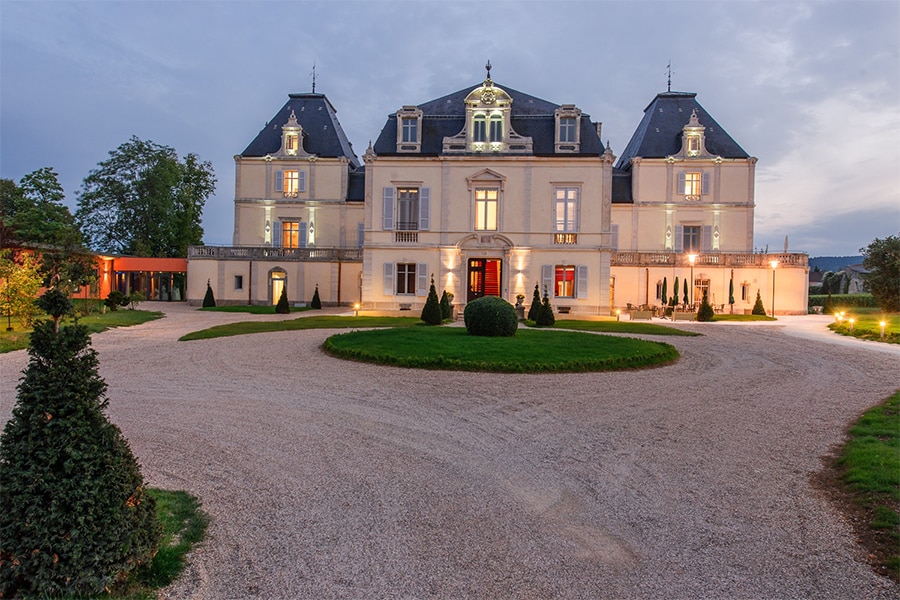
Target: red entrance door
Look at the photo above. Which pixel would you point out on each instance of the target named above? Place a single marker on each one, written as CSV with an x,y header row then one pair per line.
x,y
484,278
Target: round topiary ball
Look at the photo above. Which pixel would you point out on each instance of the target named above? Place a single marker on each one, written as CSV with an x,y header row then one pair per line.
x,y
491,316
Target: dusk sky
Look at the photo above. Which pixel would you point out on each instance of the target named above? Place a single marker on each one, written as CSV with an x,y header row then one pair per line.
x,y
812,89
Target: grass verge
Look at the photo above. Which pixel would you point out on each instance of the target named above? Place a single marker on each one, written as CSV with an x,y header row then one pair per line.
x,y
18,338
253,310
529,351
866,325
621,327
864,479
742,318
318,322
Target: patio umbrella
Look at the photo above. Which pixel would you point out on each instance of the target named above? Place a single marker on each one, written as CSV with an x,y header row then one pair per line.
x,y
665,291
731,293
675,294
686,299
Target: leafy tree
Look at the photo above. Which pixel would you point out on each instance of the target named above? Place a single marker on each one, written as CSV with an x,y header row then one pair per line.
x,y
20,282
431,312
706,312
882,259
56,304
209,300
73,514
446,307
143,200
282,307
758,308
535,308
115,299
316,301
545,317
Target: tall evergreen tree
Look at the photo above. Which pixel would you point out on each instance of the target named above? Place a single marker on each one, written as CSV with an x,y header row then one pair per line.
x,y
316,301
209,300
431,312
535,308
282,307
705,312
545,316
446,307
758,308
73,514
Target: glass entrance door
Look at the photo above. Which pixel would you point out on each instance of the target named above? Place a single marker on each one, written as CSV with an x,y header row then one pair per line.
x,y
484,278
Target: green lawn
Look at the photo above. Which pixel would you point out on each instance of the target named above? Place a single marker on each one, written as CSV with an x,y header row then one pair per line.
x,y
529,351
317,322
867,326
869,469
18,338
742,317
612,326
253,310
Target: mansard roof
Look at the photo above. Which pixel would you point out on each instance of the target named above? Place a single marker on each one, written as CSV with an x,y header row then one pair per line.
x,y
323,135
659,133
530,117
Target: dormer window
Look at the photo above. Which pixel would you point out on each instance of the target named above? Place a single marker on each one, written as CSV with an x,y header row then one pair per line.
x,y
496,128
693,145
409,129
290,136
693,135
478,129
568,126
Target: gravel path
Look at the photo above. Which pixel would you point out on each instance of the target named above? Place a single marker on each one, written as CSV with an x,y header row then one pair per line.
x,y
333,479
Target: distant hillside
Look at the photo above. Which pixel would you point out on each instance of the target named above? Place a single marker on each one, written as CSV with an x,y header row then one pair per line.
x,y
833,263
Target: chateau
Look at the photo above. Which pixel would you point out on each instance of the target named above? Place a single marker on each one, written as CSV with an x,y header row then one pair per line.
x,y
490,191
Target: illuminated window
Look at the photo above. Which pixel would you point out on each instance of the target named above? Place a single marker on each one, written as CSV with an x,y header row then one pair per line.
x,y
691,186
486,209
410,130
567,129
290,234
566,210
693,145
406,278
291,183
691,238
408,209
478,131
565,282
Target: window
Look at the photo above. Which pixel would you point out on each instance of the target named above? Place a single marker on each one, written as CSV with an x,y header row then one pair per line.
x,y
290,182
291,142
496,128
408,209
693,145
486,209
290,234
567,129
691,186
410,130
691,238
745,292
565,282
659,294
238,282
566,210
406,278
478,129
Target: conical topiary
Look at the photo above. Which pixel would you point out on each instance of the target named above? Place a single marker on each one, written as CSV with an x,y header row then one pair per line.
x,y
316,302
758,308
545,315
446,307
74,518
283,308
706,312
535,308
431,312
209,300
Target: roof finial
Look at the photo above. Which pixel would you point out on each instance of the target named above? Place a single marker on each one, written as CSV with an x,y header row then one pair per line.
x,y
488,67
669,81
314,78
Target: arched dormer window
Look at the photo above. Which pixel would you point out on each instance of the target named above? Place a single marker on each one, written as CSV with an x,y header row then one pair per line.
x,y
478,129
292,138
496,128
693,138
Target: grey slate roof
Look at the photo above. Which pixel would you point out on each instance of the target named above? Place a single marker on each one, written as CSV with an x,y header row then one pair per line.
x,y
621,187
446,117
322,132
659,133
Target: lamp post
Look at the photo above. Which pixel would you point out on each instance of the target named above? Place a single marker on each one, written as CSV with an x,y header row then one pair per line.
x,y
882,324
9,316
691,259
774,264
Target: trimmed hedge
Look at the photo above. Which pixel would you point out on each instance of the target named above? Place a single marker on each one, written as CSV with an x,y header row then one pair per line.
x,y
491,316
843,300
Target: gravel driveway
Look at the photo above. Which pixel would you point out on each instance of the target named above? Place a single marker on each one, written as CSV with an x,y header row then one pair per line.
x,y
334,479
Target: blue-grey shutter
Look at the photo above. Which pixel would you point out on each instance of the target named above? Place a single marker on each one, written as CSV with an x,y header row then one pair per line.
x,y
614,237
360,234
581,283
704,185
547,280
388,279
679,238
279,180
276,234
680,188
424,209
301,236
301,181
387,208
421,279
706,238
